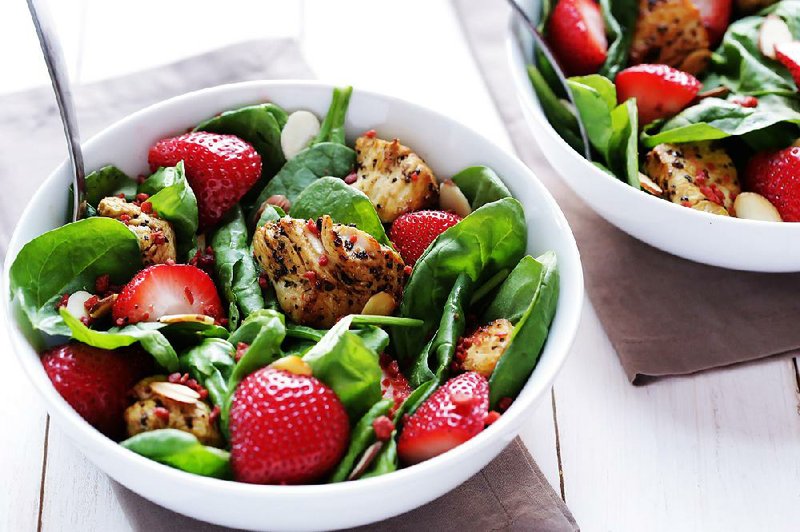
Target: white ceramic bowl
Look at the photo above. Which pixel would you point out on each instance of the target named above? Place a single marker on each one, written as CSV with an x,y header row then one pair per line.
x,y
716,240
448,147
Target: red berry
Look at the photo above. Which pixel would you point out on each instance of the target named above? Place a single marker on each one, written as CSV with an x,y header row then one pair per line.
x,y
660,91
220,169
789,55
413,232
452,415
776,176
716,15
285,429
95,382
165,289
577,35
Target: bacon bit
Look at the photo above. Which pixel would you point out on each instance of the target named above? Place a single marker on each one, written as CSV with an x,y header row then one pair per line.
x,y
189,295
323,260
241,349
121,321
263,280
147,207
701,177
204,259
311,275
86,320
141,196
311,225
383,427
686,204
62,302
102,284
158,237
161,413
174,378
124,218
745,101
184,378
91,302
371,134
141,178
214,415
351,178
491,417
504,403
407,270
121,195
415,175
223,322
353,239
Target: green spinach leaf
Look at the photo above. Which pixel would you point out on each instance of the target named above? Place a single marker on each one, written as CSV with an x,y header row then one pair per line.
x,y
620,21
386,462
180,450
362,436
480,185
211,363
556,110
174,200
623,149
108,181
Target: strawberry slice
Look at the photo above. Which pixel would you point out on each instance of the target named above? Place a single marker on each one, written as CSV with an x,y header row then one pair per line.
x,y
166,289
789,55
716,15
413,232
660,90
577,36
452,415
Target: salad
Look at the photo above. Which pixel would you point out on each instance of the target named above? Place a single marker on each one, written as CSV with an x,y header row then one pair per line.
x,y
692,101
273,304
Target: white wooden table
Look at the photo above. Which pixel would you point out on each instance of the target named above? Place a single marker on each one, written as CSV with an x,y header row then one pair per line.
x,y
718,451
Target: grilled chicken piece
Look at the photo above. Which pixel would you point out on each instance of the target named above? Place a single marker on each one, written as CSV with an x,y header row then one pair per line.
x,y
696,174
482,349
156,237
394,178
670,32
165,405
322,271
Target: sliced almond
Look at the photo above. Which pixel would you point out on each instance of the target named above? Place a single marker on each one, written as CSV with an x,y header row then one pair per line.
x,y
76,304
292,364
752,206
452,199
381,304
300,129
648,185
176,392
103,307
773,32
187,318
716,92
366,460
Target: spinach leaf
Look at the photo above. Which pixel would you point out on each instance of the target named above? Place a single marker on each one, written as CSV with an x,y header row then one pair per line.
x,y
332,128
620,20
374,338
319,160
490,239
714,118
180,450
271,213
556,111
532,326
739,64
437,355
623,149
343,203
386,462
259,125
108,181
174,200
68,259
211,363
146,333
362,436
235,267
480,185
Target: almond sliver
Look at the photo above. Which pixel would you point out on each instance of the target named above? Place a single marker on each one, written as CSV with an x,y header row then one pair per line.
x,y
187,318
176,392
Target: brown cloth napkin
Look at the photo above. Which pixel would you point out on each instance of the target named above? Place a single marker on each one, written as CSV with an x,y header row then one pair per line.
x,y
509,494
664,315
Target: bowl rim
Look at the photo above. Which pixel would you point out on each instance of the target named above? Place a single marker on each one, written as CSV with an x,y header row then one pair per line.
x,y
532,105
81,431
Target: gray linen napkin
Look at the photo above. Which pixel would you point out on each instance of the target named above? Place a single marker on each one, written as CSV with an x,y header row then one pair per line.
x,y
664,315
509,494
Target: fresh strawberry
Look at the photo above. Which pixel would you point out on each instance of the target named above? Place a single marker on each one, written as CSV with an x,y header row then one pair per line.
x,y
285,429
95,382
452,415
776,176
165,289
716,15
220,169
577,35
789,56
660,91
413,232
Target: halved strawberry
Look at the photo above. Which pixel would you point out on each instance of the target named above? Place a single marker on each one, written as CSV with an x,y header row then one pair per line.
x,y
577,35
789,56
452,415
413,232
166,289
660,90
716,15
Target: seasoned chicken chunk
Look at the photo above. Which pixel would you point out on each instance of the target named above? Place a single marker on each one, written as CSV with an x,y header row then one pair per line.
x,y
481,350
166,405
699,175
670,32
394,178
156,237
322,270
